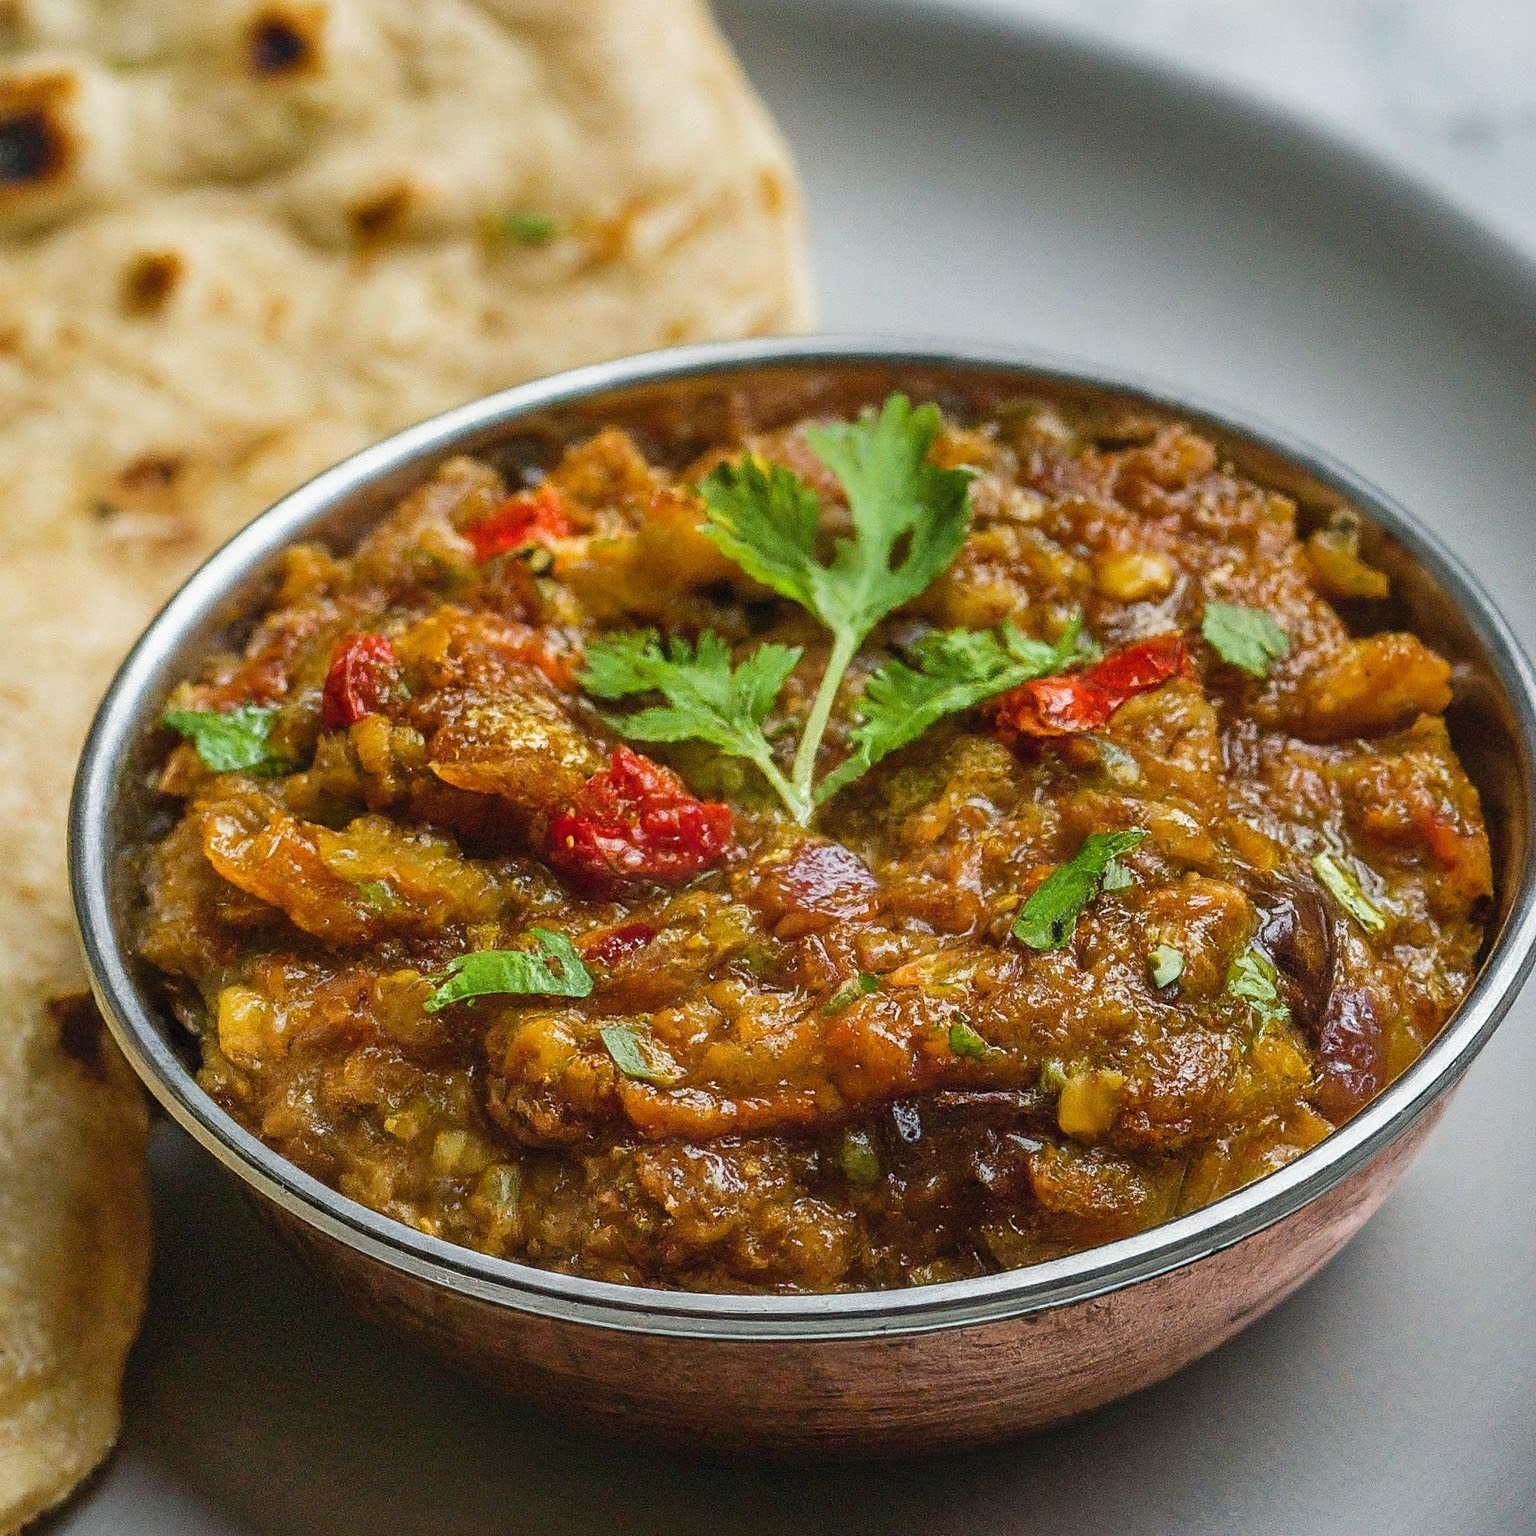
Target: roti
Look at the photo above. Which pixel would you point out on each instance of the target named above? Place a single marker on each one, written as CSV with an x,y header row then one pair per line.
x,y
237,242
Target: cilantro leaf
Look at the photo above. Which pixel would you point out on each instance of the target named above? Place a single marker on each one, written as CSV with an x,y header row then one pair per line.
x,y
707,699
552,968
630,1057
1252,976
894,495
1166,965
232,740
1049,918
1345,890
955,669
1116,876
1245,637
766,518
909,518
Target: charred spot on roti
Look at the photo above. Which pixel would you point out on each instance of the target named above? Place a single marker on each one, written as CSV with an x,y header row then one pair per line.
x,y
381,214
151,474
35,146
39,139
285,40
80,1031
31,148
150,280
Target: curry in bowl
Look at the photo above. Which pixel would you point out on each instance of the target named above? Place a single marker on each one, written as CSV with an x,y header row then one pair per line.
x,y
874,852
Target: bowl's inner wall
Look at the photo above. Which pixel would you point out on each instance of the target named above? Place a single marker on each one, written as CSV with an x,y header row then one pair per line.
x,y
676,419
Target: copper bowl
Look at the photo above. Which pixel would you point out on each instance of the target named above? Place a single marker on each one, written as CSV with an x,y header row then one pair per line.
x,y
879,1372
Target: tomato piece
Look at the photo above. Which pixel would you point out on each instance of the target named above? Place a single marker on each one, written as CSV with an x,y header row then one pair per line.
x,y
361,679
635,820
1070,704
616,944
530,517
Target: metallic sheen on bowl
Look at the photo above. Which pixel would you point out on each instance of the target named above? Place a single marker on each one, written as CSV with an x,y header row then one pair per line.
x,y
881,1372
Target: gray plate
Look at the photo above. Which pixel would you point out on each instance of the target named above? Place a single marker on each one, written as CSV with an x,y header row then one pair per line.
x,y
989,181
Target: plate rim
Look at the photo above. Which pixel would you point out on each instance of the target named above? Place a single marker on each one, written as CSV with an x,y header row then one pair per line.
x,y
1316,142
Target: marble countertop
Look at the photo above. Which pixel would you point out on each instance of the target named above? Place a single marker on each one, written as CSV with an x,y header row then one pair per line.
x,y
1446,89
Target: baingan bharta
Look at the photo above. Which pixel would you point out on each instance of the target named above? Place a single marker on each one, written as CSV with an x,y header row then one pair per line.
x,y
876,851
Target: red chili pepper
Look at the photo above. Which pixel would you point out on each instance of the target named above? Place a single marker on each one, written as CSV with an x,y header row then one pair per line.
x,y
530,517
1086,701
362,677
635,820
617,943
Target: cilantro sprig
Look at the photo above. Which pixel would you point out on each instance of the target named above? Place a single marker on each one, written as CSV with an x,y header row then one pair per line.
x,y
910,518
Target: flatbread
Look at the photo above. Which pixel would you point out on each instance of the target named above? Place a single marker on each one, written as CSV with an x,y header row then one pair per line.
x,y
237,241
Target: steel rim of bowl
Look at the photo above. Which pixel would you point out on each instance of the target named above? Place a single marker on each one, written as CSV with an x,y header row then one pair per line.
x,y
1058,1282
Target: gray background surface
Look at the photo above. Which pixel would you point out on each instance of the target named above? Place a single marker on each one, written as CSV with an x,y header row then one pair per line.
x,y
1446,88
1011,188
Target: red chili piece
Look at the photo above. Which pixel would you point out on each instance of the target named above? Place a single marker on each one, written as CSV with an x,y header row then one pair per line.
x,y
618,943
1086,701
635,820
363,673
530,517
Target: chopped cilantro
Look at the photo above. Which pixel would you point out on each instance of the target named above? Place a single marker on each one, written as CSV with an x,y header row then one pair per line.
x,y
861,986
1116,876
381,897
1245,637
231,741
859,1158
1345,890
527,228
630,1057
552,968
1166,965
964,1041
1049,918
1253,977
